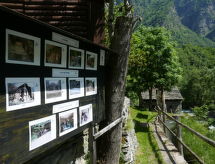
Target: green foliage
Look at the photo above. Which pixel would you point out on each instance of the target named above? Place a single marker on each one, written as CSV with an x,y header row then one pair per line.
x,y
198,83
153,61
201,148
201,112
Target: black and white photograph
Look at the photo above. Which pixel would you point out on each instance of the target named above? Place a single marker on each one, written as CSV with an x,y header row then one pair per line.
x,y
76,87
91,60
91,86
55,89
22,48
22,93
55,54
76,58
67,121
85,114
42,131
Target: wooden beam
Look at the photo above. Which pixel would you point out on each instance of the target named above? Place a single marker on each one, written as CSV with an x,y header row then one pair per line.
x,y
107,128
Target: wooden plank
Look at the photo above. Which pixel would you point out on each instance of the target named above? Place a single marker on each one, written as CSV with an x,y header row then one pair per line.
x,y
107,128
204,138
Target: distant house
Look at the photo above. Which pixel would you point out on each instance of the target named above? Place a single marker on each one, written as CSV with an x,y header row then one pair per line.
x,y
173,100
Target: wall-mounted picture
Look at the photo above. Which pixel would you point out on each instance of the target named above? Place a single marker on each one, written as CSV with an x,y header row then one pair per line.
x,y
67,121
22,48
91,60
85,114
76,58
55,90
91,86
76,87
55,54
22,93
42,131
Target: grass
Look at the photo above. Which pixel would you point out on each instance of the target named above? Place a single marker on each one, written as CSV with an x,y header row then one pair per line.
x,y
147,150
205,151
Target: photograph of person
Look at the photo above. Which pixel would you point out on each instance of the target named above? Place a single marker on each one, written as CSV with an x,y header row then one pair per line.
x,y
85,114
42,131
67,121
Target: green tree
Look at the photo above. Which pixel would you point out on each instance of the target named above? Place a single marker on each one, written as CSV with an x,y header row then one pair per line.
x,y
153,61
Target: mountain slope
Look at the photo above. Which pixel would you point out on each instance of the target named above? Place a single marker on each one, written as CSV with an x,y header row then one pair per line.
x,y
166,13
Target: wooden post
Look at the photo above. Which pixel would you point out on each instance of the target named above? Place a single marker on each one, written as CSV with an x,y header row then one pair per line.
x,y
92,145
179,135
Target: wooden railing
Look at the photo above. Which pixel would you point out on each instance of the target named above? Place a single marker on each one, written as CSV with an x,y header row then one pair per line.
x,y
161,117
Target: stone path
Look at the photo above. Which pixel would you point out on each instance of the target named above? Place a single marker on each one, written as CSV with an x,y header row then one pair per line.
x,y
168,151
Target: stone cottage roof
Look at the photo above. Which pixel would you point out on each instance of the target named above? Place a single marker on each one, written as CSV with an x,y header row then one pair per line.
x,y
174,94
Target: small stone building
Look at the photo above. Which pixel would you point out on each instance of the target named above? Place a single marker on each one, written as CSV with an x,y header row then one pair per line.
x,y
173,100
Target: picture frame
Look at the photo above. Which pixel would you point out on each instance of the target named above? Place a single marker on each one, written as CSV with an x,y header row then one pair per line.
x,y
22,48
76,87
91,60
55,90
42,131
55,54
76,58
90,86
68,121
22,93
85,114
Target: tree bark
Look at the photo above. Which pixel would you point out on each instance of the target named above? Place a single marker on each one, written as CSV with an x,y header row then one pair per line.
x,y
109,144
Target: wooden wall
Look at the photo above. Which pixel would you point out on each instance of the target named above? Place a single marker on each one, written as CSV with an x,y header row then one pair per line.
x,y
84,18
14,132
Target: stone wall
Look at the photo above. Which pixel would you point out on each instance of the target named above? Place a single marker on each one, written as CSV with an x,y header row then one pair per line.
x,y
129,139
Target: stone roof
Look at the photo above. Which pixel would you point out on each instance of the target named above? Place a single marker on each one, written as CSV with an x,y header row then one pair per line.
x,y
174,94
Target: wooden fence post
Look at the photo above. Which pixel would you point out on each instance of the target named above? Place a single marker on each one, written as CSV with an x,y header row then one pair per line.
x,y
92,145
179,135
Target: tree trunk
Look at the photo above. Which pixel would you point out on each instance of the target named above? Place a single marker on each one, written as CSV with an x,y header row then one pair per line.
x,y
150,98
109,144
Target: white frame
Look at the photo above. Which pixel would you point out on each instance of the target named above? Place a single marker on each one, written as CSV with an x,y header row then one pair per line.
x,y
37,93
74,111
95,61
81,94
63,91
37,42
63,54
88,93
89,106
52,118
82,58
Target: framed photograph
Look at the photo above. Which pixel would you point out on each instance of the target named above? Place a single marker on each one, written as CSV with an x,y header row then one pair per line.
x,y
85,114
22,93
55,54
67,121
55,90
91,86
76,58
91,60
42,131
22,48
76,87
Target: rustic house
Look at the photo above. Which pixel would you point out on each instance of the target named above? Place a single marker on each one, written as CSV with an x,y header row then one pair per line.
x,y
173,100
